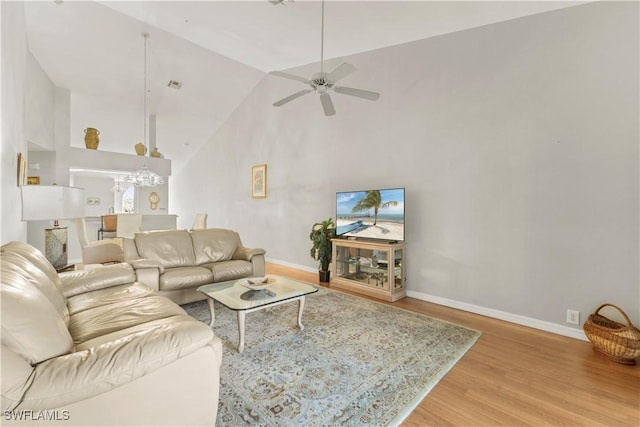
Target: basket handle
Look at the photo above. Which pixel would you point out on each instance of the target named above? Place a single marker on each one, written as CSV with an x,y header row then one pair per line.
x,y
617,308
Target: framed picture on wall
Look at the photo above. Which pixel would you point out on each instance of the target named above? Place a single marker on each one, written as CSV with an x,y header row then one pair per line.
x,y
259,181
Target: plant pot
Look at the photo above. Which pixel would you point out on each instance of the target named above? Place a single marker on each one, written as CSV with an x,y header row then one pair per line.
x,y
325,276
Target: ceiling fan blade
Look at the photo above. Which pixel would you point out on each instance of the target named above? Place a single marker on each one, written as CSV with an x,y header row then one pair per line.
x,y
327,105
341,72
371,96
289,76
292,97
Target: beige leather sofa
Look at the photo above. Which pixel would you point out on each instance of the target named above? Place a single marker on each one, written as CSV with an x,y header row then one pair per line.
x,y
95,347
176,262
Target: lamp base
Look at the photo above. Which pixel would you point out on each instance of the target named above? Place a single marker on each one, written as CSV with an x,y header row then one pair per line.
x,y
55,246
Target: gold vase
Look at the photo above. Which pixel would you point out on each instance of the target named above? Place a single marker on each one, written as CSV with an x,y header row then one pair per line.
x,y
156,153
91,139
141,149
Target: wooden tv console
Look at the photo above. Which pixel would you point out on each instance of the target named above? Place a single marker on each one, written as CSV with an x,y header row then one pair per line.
x,y
371,267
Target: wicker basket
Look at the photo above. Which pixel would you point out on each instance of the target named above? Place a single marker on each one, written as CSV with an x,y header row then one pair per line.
x,y
618,342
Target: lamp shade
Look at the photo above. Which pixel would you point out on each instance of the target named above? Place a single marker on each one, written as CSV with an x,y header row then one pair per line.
x,y
51,202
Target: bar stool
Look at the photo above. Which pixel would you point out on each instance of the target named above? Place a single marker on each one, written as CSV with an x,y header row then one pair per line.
x,y
109,224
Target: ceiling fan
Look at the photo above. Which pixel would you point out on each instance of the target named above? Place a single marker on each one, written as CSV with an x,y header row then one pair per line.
x,y
321,83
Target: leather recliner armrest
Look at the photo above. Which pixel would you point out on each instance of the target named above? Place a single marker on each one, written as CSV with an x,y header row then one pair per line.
x,y
81,281
73,377
247,253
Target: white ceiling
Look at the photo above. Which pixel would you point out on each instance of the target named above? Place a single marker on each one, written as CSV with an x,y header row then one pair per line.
x,y
220,50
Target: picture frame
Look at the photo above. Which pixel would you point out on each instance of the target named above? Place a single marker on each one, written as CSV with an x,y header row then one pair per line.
x,y
22,170
33,180
93,200
259,181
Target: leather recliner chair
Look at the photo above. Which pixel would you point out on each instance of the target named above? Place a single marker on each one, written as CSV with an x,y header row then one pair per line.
x,y
94,347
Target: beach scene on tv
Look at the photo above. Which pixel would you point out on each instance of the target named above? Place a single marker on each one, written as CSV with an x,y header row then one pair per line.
x,y
374,214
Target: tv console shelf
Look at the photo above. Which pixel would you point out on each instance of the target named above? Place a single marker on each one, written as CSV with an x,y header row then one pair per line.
x,y
371,267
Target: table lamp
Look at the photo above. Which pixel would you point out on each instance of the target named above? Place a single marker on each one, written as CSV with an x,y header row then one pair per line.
x,y
53,202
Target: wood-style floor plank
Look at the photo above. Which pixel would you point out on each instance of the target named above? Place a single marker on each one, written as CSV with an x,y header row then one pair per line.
x,y
519,376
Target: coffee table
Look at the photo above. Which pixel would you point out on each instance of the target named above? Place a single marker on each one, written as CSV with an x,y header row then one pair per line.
x,y
235,296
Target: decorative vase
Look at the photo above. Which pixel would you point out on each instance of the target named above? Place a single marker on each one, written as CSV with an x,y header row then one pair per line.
x,y
156,153
324,276
141,149
91,139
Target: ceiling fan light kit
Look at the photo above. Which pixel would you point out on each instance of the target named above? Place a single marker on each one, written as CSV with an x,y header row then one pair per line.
x,y
322,83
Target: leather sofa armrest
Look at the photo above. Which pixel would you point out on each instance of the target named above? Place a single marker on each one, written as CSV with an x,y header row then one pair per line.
x,y
77,376
145,263
255,256
246,254
81,281
147,271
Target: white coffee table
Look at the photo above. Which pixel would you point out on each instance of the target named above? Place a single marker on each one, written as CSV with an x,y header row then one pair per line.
x,y
233,295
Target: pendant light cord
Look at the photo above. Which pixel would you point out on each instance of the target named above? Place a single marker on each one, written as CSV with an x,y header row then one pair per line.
x,y
322,41
146,36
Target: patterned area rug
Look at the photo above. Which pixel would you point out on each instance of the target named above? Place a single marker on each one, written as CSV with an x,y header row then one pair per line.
x,y
357,362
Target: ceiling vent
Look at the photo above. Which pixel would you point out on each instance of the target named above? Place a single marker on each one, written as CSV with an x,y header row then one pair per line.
x,y
174,84
278,2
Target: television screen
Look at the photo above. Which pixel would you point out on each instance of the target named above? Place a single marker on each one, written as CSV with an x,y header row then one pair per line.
x,y
373,214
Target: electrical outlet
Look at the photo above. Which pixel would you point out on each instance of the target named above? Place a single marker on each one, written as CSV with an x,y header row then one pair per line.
x,y
573,317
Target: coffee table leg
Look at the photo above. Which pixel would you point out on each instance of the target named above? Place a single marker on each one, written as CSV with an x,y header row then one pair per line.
x,y
241,330
300,308
213,315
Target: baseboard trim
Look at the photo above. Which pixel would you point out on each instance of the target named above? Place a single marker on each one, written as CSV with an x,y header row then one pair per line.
x,y
502,315
291,265
472,308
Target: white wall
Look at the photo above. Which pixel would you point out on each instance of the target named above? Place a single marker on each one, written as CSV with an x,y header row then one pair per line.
x,y
40,101
517,144
115,122
14,48
96,188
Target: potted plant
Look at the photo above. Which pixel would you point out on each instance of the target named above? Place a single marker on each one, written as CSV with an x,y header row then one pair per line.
x,y
321,235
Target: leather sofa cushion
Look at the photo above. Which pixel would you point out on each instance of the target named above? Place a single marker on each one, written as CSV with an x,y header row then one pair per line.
x,y
108,318
171,248
185,278
71,378
39,279
36,258
230,270
107,296
31,326
15,377
81,281
214,244
121,333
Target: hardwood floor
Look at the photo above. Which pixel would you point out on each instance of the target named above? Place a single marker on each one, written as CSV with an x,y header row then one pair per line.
x,y
519,376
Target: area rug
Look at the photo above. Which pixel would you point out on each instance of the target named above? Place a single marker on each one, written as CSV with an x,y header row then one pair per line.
x,y
356,363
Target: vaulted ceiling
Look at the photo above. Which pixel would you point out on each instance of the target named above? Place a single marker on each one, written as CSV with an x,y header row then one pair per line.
x,y
220,50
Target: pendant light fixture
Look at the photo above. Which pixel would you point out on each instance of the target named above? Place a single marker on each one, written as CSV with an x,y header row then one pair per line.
x,y
117,188
144,177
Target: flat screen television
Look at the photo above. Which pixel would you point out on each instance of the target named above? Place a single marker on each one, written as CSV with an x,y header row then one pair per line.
x,y
371,214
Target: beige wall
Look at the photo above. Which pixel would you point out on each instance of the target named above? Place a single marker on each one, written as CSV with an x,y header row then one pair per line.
x,y
517,144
